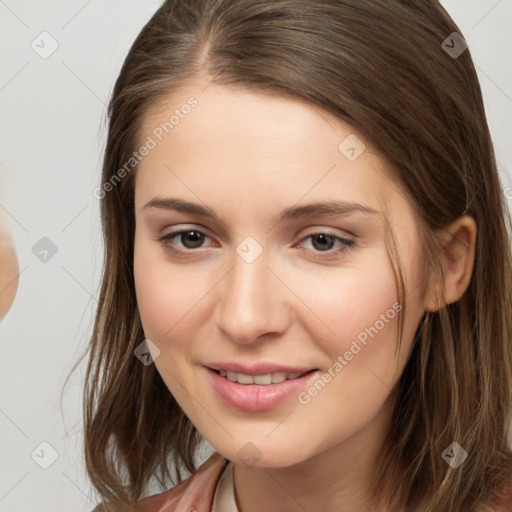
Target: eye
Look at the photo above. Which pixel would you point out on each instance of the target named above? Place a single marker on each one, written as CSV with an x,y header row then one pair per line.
x,y
323,242
189,238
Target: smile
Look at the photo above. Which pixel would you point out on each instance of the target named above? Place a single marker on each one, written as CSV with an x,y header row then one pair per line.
x,y
265,379
258,392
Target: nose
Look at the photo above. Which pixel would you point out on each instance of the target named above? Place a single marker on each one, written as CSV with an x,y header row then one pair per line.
x,y
252,302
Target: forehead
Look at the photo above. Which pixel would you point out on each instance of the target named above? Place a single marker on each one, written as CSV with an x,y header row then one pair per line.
x,y
255,152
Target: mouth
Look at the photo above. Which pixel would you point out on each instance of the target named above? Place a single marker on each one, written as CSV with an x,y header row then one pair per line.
x,y
265,379
258,392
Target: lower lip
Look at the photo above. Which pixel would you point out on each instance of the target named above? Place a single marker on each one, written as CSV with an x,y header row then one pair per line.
x,y
254,397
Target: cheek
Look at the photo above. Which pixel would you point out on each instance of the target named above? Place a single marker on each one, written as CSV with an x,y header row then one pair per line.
x,y
350,301
359,309
167,296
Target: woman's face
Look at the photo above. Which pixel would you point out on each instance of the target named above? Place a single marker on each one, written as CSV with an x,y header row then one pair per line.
x,y
266,283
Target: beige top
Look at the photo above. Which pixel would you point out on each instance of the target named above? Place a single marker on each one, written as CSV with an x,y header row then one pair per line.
x,y
224,500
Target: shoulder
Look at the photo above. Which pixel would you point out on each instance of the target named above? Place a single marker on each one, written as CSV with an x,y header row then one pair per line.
x,y
195,492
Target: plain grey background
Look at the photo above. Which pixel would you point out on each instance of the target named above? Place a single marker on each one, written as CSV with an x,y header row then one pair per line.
x,y
52,134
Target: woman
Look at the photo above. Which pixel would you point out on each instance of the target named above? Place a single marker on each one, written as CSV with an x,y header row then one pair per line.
x,y
307,264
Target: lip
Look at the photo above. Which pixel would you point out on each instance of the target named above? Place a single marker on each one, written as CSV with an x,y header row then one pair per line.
x,y
255,397
258,368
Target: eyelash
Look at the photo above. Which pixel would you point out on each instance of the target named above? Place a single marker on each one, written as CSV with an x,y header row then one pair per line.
x,y
347,243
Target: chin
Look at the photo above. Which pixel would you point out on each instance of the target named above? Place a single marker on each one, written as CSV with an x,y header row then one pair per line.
x,y
261,455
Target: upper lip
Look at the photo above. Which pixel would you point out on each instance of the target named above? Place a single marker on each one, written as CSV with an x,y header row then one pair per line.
x,y
258,368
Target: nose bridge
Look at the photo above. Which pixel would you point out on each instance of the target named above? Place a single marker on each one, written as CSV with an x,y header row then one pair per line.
x,y
250,303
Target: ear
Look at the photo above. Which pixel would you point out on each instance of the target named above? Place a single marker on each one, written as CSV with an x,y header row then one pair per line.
x,y
457,256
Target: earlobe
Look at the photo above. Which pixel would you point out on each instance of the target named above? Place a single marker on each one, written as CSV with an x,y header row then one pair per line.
x,y
457,253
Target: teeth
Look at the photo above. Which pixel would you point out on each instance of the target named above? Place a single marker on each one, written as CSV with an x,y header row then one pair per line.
x,y
263,380
278,377
245,379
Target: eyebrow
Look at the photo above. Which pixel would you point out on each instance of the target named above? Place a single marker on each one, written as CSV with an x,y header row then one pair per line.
x,y
292,212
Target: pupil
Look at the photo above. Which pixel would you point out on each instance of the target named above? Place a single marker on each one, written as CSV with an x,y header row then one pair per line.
x,y
325,238
195,243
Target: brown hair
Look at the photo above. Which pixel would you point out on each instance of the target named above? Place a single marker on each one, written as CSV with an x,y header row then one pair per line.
x,y
380,66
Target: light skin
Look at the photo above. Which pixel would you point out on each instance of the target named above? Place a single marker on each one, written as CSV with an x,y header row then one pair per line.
x,y
247,156
9,272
